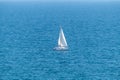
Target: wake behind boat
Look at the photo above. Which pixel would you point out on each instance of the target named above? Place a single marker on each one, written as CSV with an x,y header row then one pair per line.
x,y
62,43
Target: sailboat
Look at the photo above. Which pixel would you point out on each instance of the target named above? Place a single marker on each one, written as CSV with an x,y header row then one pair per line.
x,y
62,43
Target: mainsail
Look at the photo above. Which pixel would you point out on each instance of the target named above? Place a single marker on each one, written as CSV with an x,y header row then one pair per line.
x,y
61,40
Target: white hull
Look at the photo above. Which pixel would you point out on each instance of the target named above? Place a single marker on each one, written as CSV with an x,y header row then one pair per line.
x,y
61,48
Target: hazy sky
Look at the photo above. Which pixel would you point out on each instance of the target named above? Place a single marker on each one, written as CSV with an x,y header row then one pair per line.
x,y
65,0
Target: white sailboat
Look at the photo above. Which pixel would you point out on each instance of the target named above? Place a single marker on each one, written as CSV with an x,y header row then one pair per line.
x,y
62,43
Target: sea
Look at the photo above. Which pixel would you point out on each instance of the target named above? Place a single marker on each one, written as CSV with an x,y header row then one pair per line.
x,y
29,31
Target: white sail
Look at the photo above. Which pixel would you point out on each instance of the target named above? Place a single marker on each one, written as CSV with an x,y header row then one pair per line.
x,y
61,40
62,44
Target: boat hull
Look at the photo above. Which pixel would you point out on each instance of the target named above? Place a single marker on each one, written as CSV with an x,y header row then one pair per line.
x,y
61,48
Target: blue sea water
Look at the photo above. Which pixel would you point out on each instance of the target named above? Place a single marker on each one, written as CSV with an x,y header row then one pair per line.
x,y
29,32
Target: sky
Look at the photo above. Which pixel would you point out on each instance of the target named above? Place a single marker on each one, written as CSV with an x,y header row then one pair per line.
x,y
65,0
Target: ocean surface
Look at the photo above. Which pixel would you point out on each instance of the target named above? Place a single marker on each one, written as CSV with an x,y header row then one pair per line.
x,y
29,32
